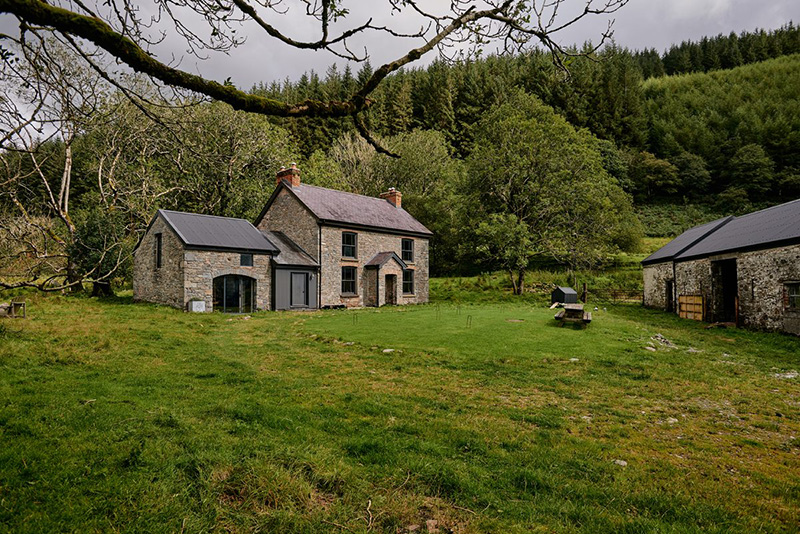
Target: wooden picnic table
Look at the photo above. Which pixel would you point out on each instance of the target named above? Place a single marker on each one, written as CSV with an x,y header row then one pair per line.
x,y
573,313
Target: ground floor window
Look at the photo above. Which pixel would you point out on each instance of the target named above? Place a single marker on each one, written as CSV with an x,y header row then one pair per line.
x,y
234,294
791,291
408,281
349,280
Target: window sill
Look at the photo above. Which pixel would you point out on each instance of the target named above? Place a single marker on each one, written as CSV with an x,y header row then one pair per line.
x,y
348,295
349,258
409,294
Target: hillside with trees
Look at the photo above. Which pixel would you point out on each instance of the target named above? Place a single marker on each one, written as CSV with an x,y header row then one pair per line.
x,y
508,159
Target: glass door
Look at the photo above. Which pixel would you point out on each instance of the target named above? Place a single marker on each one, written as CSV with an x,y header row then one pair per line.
x,y
234,294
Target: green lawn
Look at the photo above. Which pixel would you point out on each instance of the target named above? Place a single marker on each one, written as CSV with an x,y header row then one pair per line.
x,y
485,417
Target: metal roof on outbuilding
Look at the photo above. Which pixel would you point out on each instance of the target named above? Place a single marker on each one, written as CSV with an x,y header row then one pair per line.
x,y
768,228
332,206
688,238
290,253
212,232
771,227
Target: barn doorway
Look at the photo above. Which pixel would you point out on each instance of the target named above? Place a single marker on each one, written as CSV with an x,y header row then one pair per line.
x,y
234,294
725,278
391,289
670,296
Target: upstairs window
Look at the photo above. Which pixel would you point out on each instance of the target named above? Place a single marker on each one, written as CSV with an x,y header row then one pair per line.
x,y
408,282
349,240
791,295
408,249
246,260
349,280
158,251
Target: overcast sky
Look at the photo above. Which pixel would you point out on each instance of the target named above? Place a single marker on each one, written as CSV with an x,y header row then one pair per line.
x,y
640,24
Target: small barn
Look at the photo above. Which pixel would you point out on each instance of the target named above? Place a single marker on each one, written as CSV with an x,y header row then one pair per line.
x,y
564,295
742,270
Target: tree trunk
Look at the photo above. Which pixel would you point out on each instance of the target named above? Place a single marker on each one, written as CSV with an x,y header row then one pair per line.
x,y
513,281
521,284
102,289
73,277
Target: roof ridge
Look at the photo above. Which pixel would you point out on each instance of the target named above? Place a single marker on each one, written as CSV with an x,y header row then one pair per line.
x,y
345,193
205,215
722,223
766,209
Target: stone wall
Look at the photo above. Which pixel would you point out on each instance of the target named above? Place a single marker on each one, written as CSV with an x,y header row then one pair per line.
x,y
288,215
694,278
369,244
656,277
162,285
761,277
202,266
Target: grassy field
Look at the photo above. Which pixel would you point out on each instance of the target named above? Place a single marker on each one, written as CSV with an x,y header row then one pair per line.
x,y
485,417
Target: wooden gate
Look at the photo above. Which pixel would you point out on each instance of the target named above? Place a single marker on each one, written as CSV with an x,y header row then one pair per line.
x,y
691,307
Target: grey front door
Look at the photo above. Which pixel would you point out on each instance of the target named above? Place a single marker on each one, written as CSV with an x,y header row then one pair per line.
x,y
299,290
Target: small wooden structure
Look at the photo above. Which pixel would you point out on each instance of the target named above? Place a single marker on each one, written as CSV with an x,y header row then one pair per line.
x,y
573,313
565,295
691,307
15,309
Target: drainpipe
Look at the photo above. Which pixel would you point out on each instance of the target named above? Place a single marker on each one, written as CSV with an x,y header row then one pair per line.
x,y
319,273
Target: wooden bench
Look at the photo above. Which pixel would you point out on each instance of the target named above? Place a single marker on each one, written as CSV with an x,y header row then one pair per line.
x,y
573,313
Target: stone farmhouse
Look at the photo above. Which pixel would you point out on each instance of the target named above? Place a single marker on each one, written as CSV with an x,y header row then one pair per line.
x,y
743,270
310,247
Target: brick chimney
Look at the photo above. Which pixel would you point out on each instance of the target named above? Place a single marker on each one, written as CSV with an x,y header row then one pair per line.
x,y
291,176
394,197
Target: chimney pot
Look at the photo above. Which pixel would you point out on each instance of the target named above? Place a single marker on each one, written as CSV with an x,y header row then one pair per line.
x,y
290,176
393,196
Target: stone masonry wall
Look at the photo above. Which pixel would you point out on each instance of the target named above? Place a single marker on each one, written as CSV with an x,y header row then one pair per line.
x,y
693,278
761,277
369,244
656,277
202,266
162,285
289,216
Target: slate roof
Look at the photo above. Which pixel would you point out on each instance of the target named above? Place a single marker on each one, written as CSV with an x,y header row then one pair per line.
x,y
211,232
382,257
290,253
688,238
772,227
332,206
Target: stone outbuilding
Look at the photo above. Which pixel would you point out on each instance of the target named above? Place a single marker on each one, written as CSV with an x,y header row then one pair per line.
x,y
743,270
310,247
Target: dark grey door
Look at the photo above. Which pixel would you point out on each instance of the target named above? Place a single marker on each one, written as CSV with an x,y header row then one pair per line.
x,y
299,290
